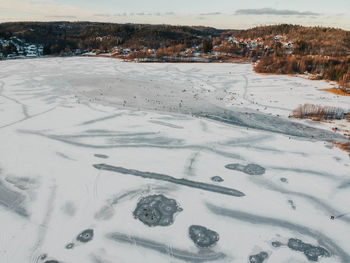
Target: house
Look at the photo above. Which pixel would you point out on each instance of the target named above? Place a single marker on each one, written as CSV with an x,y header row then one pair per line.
x,y
231,39
126,51
31,51
278,37
40,50
77,52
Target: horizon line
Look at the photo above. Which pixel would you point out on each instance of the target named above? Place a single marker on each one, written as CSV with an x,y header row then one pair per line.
x,y
165,24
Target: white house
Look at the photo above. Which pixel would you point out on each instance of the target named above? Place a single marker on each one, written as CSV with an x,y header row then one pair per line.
x,y
126,51
32,51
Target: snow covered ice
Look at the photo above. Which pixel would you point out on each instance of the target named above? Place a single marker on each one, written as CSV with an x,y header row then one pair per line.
x,y
85,141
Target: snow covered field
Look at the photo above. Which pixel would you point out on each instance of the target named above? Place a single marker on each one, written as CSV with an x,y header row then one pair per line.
x,y
105,161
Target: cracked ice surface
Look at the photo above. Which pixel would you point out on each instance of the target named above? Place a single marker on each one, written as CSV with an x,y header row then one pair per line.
x,y
85,140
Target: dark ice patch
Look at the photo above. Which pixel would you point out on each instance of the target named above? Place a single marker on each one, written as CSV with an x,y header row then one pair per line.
x,y
156,210
311,252
22,183
331,245
191,162
202,236
254,169
167,178
51,261
102,156
344,185
264,122
337,159
276,244
284,180
12,200
217,179
235,166
204,255
292,204
69,246
101,119
86,236
251,169
166,124
258,258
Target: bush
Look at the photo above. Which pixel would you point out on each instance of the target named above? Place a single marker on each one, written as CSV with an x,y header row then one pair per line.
x,y
318,112
345,83
344,146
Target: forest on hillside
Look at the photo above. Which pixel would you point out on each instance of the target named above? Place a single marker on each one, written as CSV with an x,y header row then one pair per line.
x,y
322,52
59,36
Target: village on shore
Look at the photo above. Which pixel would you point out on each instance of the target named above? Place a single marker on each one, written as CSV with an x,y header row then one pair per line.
x,y
217,49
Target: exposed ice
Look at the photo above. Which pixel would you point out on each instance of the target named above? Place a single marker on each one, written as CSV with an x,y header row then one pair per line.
x,y
102,156
293,243
70,246
202,236
167,178
86,236
284,180
156,210
291,202
258,258
251,169
170,252
312,253
276,244
12,200
217,179
22,183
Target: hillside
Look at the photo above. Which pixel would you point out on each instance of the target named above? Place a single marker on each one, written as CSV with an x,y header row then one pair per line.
x,y
85,35
91,35
319,40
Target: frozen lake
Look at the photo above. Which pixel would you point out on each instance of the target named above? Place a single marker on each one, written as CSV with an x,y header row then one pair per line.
x,y
103,161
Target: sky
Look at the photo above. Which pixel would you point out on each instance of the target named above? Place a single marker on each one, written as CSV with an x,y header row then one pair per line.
x,y
226,14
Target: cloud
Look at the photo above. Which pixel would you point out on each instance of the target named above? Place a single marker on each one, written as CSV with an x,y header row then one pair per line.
x,y
62,16
271,11
27,10
103,15
142,14
123,14
211,14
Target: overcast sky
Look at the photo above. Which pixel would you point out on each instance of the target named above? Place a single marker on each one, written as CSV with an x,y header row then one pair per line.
x,y
219,13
